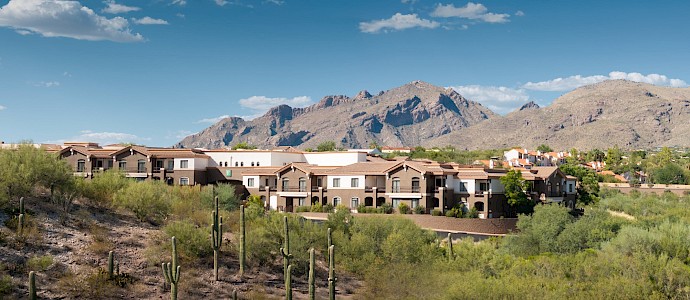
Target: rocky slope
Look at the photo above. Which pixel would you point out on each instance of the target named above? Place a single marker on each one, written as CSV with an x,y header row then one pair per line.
x,y
623,113
412,114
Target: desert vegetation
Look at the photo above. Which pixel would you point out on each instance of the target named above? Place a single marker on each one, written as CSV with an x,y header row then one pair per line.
x,y
623,246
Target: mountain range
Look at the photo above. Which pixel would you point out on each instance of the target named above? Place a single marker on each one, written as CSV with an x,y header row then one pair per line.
x,y
617,112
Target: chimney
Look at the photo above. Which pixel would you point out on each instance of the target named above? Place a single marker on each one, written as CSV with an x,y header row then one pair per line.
x,y
491,164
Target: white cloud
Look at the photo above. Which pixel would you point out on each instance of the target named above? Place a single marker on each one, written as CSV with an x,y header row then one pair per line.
x,y
66,74
150,21
576,81
114,8
70,19
498,98
221,2
213,120
47,84
520,13
397,22
472,11
102,138
276,2
263,103
2,107
179,2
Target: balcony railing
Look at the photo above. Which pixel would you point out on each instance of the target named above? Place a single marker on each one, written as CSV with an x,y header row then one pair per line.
x,y
263,188
294,189
406,190
370,189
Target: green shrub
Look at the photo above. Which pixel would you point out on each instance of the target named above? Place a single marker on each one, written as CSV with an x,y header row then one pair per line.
x,y
316,207
472,214
363,209
6,285
328,208
102,188
386,208
436,212
227,196
39,263
192,241
147,200
254,207
303,209
452,213
419,210
403,208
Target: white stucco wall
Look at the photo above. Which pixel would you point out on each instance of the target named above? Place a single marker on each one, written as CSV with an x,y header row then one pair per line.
x,y
263,158
284,158
345,182
469,184
257,182
335,158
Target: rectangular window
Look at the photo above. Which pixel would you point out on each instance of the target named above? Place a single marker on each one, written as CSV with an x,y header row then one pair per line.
x,y
463,186
122,165
110,164
336,201
440,182
250,182
184,164
396,203
184,181
354,182
300,201
228,173
159,164
318,181
171,165
355,202
336,182
570,187
415,203
81,165
483,186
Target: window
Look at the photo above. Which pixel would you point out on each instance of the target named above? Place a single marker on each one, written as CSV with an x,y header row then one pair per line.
x,y
570,188
226,163
354,203
122,165
184,164
184,181
250,182
336,201
354,182
415,184
302,184
300,201
440,182
483,186
81,165
220,164
396,203
336,182
286,184
159,164
479,206
110,164
236,164
252,164
141,166
171,165
319,181
463,186
241,164
257,163
396,186
415,203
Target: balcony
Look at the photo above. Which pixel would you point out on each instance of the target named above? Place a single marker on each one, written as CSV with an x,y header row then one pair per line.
x,y
370,189
294,189
414,189
481,193
264,188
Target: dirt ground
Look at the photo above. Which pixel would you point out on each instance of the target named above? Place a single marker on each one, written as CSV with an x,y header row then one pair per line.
x,y
79,243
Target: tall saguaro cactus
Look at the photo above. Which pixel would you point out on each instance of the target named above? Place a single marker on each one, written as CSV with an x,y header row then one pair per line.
x,y
32,285
331,272
288,284
243,245
111,264
21,217
285,250
217,237
451,255
312,286
330,238
172,272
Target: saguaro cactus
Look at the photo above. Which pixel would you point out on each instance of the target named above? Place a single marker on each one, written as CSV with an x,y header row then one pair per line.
x,y
331,272
172,272
288,283
243,248
20,224
285,250
234,294
111,264
312,263
330,238
21,205
32,285
450,254
217,237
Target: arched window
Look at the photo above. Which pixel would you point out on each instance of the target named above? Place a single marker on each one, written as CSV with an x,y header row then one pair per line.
x,y
396,185
81,165
479,206
242,164
302,184
252,164
415,184
257,163
226,163
236,164
220,164
286,184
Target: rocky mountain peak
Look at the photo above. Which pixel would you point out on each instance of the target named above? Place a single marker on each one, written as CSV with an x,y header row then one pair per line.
x,y
529,105
363,94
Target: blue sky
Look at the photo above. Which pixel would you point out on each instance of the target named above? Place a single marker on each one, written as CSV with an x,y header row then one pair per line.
x,y
151,72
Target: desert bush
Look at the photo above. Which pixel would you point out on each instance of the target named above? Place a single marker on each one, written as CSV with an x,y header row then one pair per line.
x,y
305,208
316,207
147,200
192,241
419,210
403,209
102,188
227,196
6,285
539,232
340,220
436,212
254,207
39,263
27,167
387,208
328,208
473,213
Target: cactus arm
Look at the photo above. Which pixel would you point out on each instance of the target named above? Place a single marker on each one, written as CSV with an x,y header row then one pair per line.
x,y
312,287
32,285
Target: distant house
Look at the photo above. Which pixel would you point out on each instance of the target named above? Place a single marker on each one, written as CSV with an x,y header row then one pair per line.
x,y
387,149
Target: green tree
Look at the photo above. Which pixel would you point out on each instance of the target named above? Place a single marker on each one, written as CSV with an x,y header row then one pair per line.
x,y
243,145
614,157
670,173
25,167
326,146
515,187
544,148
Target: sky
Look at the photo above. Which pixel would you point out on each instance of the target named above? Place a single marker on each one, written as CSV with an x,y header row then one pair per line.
x,y
153,71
